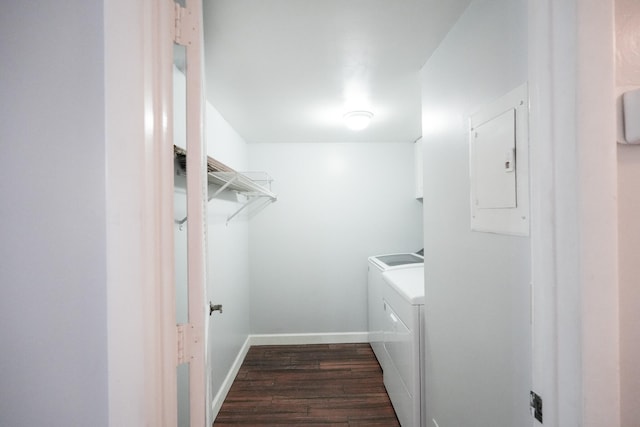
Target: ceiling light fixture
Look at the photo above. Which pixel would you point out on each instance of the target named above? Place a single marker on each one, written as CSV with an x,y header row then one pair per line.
x,y
357,120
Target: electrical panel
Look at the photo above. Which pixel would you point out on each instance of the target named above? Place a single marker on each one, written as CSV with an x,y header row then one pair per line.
x,y
499,165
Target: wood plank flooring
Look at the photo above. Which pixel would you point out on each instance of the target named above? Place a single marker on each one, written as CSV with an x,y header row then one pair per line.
x,y
308,385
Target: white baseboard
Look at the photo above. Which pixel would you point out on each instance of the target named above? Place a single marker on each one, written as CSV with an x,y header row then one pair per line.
x,y
228,380
316,338
279,339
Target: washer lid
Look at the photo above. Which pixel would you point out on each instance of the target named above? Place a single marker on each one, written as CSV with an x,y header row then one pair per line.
x,y
387,262
408,282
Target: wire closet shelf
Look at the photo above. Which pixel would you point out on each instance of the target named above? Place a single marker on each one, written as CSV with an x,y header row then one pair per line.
x,y
254,186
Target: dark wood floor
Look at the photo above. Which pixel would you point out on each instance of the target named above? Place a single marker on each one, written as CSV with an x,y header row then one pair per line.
x,y
316,385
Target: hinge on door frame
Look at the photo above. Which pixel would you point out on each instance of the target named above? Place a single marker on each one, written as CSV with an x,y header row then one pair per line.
x,y
185,344
181,343
535,402
185,26
187,338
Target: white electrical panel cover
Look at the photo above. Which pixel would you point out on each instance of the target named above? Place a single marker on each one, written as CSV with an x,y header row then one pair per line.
x,y
499,165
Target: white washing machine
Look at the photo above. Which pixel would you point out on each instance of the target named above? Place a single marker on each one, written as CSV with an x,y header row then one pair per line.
x,y
403,299
376,315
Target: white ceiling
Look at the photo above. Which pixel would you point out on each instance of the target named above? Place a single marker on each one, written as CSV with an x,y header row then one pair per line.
x,y
288,70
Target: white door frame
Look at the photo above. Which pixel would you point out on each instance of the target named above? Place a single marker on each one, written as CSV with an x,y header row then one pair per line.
x,y
574,248
142,335
574,217
188,33
139,181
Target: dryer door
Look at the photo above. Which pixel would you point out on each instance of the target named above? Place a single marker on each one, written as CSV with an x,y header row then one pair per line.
x,y
398,377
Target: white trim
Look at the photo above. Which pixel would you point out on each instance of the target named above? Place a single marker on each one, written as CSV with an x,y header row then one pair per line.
x,y
314,338
573,207
165,255
597,177
542,192
221,395
139,171
192,39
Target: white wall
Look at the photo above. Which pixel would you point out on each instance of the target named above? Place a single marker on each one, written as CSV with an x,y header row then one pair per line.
x,y
53,313
628,77
227,259
337,205
478,367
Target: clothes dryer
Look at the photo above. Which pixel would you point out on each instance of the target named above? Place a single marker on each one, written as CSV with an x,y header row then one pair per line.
x,y
376,315
403,299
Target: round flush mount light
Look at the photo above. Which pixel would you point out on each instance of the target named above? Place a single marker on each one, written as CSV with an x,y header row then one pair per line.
x,y
358,120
